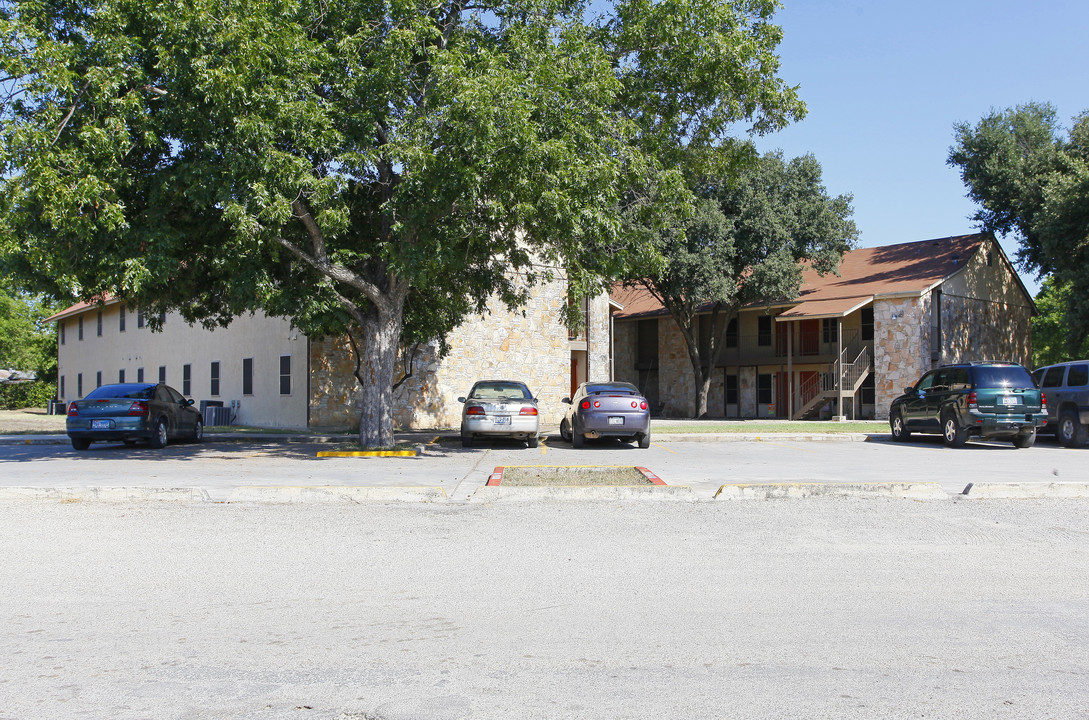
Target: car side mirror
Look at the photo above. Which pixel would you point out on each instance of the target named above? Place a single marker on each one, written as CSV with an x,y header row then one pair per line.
x,y
566,401
910,390
189,402
461,399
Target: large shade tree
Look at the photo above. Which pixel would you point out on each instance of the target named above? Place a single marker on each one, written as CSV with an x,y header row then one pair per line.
x,y
1030,177
374,169
746,244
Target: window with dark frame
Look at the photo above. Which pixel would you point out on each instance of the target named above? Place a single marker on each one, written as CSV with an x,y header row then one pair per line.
x,y
139,374
731,334
187,380
247,376
285,374
61,326
62,387
867,323
162,317
829,330
213,388
99,321
763,389
731,390
121,319
79,385
763,331
121,375
139,318
80,334
162,373
98,379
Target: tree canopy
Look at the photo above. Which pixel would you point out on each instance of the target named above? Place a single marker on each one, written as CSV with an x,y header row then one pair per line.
x,y
744,245
1031,179
376,169
25,343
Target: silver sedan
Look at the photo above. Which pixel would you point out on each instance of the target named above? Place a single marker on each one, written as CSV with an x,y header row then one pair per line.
x,y
499,408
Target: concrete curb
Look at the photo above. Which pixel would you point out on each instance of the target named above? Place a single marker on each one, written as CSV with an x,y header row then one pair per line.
x,y
1028,491
760,437
669,493
105,494
769,491
337,494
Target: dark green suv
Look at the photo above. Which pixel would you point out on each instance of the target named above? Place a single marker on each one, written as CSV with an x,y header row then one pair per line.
x,y
990,400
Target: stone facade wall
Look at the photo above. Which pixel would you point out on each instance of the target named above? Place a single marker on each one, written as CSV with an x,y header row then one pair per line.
x,y
675,379
985,315
901,345
598,345
625,349
529,344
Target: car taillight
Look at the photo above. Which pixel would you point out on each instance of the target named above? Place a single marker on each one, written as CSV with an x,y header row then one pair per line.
x,y
643,405
634,404
528,411
474,410
73,411
138,407
1043,400
585,405
597,403
973,402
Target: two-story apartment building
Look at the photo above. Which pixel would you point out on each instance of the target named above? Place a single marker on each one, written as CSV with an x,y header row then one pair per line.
x,y
268,373
848,344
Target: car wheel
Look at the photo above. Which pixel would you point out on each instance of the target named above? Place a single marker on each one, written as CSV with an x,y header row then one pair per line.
x,y
1025,440
900,433
1071,432
577,439
198,432
81,443
565,431
158,441
644,440
952,432
532,442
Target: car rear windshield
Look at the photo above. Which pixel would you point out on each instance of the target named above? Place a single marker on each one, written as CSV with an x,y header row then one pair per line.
x,y
496,391
1002,376
134,392
612,388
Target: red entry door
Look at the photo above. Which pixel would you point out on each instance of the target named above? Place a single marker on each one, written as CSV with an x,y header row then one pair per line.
x,y
574,376
782,392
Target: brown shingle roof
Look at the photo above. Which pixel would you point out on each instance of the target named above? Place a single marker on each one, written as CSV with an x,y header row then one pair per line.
x,y
906,268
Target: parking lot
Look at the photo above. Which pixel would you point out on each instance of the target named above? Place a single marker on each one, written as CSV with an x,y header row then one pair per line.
x,y
218,466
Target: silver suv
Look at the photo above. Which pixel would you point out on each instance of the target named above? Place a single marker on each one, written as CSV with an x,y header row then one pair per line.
x,y
1067,388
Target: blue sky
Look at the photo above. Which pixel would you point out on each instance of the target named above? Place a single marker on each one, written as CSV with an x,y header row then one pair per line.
x,y
886,81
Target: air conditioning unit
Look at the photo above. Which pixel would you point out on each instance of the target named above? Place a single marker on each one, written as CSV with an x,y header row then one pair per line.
x,y
217,416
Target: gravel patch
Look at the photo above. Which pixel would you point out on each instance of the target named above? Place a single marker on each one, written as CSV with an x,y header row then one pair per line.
x,y
570,476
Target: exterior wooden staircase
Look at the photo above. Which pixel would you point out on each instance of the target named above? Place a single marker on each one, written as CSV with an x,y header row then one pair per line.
x,y
854,364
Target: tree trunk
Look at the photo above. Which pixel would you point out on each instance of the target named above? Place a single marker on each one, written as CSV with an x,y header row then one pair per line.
x,y
703,387
381,338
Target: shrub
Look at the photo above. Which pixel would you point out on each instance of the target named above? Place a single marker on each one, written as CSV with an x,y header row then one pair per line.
x,y
15,396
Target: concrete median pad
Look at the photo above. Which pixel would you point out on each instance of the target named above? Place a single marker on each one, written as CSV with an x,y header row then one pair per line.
x,y
769,491
336,494
673,493
986,490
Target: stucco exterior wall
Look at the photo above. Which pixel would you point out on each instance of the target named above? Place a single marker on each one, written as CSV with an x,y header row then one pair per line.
x,y
529,344
901,346
262,338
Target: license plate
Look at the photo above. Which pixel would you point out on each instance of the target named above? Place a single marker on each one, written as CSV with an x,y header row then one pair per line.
x,y
616,420
100,424
502,420
1011,400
